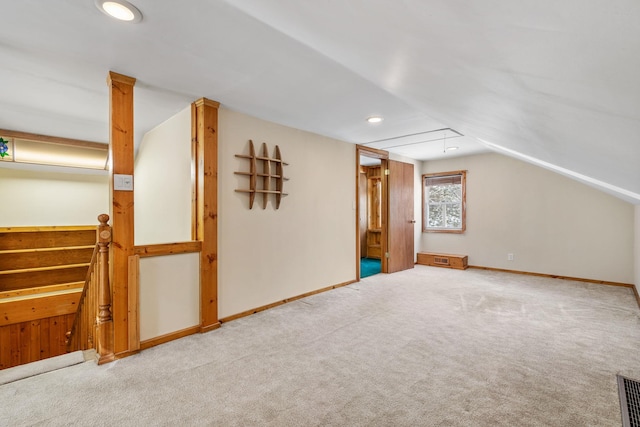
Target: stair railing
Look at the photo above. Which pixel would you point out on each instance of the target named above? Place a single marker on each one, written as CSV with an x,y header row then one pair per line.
x,y
93,323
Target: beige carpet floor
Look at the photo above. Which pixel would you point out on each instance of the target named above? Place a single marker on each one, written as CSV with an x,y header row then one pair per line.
x,y
424,347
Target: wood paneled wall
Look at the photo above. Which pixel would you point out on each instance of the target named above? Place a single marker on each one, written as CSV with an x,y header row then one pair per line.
x,y
33,340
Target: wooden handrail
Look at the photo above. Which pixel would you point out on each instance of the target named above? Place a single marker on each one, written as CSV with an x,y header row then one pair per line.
x,y
93,323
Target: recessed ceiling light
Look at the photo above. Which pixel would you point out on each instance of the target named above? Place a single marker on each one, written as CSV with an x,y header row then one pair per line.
x,y
120,9
374,119
452,148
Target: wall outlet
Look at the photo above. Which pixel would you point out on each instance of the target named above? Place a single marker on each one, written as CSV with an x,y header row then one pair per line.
x,y
509,257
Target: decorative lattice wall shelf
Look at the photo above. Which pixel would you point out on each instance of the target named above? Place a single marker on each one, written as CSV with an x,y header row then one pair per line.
x,y
263,172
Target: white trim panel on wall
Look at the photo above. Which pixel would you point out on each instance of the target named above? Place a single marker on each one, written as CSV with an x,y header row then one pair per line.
x,y
169,294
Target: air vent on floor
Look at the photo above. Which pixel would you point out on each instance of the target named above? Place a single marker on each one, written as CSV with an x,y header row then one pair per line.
x,y
441,260
629,391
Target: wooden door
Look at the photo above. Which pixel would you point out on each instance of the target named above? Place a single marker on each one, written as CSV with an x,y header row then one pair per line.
x,y
401,220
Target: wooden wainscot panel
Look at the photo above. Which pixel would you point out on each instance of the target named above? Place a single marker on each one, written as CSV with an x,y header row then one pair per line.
x,y
24,309
458,262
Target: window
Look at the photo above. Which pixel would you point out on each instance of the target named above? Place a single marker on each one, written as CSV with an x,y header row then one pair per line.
x,y
22,147
443,202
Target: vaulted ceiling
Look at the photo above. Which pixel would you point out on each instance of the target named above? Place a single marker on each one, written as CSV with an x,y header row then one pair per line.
x,y
555,83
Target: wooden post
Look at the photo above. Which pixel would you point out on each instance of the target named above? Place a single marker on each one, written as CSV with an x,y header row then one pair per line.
x,y
104,318
206,183
121,155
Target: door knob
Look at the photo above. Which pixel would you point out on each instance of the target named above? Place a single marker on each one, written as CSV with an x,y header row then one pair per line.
x,y
412,221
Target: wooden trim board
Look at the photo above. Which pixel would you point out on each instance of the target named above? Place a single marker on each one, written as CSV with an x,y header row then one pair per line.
x,y
40,290
152,342
34,307
555,276
167,249
284,301
635,292
375,153
47,228
133,284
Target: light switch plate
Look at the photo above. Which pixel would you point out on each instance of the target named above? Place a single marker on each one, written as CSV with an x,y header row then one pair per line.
x,y
122,182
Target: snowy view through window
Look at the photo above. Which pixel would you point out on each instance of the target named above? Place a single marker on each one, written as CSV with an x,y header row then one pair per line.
x,y
443,199
445,206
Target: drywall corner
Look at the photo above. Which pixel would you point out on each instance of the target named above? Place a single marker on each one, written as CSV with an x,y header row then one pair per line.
x,y
636,247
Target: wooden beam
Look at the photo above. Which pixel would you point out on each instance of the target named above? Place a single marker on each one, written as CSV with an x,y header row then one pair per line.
x,y
206,127
121,146
194,173
167,249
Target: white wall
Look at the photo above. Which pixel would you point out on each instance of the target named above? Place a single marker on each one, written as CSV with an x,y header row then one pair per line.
x,y
637,246
169,285
169,294
309,243
162,180
39,196
552,224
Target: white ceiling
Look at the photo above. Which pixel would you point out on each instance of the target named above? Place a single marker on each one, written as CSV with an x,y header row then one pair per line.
x,y
554,83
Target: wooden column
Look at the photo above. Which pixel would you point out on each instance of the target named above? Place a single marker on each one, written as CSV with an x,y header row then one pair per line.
x,y
121,155
206,229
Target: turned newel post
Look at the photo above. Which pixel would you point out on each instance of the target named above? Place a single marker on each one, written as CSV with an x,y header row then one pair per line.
x,y
104,318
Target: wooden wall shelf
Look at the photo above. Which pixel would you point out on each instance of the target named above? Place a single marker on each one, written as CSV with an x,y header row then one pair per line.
x,y
263,172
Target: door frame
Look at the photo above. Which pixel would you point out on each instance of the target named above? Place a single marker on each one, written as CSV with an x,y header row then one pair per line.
x,y
375,153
